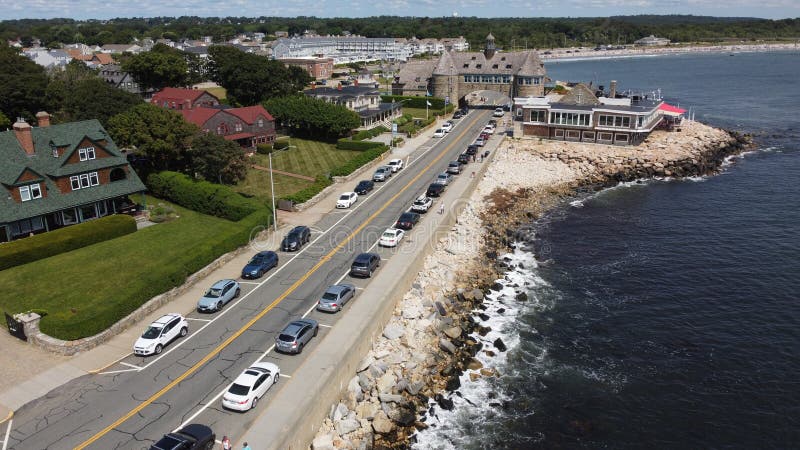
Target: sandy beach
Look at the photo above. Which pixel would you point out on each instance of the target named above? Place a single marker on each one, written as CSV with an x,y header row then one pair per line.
x,y
589,53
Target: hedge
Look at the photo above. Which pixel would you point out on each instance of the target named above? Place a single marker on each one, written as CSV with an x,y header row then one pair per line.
x,y
306,194
65,239
347,144
201,196
415,101
364,158
371,133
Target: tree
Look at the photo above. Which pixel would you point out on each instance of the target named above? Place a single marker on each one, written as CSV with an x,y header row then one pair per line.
x,y
299,78
5,122
159,135
216,159
312,117
250,79
156,70
22,85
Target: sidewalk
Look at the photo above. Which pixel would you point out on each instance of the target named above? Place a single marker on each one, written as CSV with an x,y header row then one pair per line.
x,y
35,372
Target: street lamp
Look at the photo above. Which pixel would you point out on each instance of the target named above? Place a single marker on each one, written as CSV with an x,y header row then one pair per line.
x,y
272,187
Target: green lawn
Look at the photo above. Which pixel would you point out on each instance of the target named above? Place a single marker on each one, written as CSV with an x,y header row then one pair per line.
x,y
310,158
87,290
419,113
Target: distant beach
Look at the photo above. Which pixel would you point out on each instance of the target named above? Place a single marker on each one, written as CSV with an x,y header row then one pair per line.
x,y
572,54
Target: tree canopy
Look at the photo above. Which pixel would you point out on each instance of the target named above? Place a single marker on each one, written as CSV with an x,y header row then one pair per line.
x,y
23,84
311,117
217,160
163,66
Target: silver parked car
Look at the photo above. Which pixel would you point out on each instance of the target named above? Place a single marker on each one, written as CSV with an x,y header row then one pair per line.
x,y
218,295
296,335
335,297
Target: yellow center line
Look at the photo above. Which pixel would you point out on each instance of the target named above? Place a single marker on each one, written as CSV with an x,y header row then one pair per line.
x,y
272,305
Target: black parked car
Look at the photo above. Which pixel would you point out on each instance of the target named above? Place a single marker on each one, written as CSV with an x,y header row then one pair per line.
x,y
262,262
191,437
435,190
463,158
364,186
407,220
298,236
472,149
458,115
365,264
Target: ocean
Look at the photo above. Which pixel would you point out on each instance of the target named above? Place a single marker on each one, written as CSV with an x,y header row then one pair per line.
x,y
662,314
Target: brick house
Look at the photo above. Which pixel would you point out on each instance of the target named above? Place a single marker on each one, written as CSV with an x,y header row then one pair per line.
x,y
180,99
60,175
318,68
248,126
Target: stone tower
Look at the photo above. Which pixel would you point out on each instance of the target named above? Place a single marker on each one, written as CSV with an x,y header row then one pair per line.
x,y
488,52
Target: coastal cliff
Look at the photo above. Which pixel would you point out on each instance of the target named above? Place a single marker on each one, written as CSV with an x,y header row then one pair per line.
x,y
438,328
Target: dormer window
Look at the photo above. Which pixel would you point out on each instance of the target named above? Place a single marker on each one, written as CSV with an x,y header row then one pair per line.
x,y
85,154
260,123
466,65
503,58
494,66
508,66
237,126
478,66
30,192
473,58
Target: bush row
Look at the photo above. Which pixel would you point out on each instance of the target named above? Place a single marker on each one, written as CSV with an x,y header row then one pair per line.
x,y
367,134
415,101
201,196
306,194
358,161
347,144
65,239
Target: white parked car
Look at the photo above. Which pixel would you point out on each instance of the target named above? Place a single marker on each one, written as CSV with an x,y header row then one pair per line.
x,y
447,127
346,200
438,133
391,237
160,333
422,204
488,129
396,164
250,386
498,112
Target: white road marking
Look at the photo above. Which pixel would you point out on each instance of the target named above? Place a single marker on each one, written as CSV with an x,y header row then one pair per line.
x,y
8,432
199,320
326,326
283,375
130,365
111,372
249,282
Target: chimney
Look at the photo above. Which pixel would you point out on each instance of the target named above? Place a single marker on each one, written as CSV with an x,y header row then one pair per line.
x,y
613,89
43,119
24,135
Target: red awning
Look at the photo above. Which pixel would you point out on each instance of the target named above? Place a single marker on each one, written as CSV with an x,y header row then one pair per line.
x,y
671,110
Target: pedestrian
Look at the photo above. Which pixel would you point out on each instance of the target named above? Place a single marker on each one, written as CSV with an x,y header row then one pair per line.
x,y
472,175
226,443
441,208
246,447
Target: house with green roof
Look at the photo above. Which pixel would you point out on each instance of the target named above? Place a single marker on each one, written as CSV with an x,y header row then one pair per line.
x,y
60,175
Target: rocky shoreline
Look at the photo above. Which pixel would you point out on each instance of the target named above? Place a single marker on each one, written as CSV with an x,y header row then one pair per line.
x,y
435,331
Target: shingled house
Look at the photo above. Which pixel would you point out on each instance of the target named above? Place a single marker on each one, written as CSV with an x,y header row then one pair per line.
x,y
248,126
59,175
178,99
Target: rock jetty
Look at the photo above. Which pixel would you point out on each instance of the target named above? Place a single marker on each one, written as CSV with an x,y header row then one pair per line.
x,y
433,336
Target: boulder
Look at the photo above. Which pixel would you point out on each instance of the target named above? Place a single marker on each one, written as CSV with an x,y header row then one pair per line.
x,y
340,412
381,423
347,424
521,297
365,382
447,346
474,364
367,410
390,398
323,442
453,332
386,382
354,390
393,331
444,403
499,345
403,414
365,363
477,294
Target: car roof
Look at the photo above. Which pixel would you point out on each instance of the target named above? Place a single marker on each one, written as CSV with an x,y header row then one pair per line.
x,y
337,288
365,182
299,229
409,214
395,161
165,319
266,253
221,283
298,324
196,430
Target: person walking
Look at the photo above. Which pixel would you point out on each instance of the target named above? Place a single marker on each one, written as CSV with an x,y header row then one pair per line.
x,y
246,447
441,208
226,443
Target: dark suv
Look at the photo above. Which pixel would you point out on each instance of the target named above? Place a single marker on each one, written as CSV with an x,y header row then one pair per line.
x,y
191,437
298,236
435,190
365,264
296,335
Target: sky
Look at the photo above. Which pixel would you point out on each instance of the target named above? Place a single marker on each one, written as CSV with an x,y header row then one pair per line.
x,y
107,9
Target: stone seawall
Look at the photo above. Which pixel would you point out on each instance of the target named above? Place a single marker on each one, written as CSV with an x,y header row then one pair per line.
x,y
433,336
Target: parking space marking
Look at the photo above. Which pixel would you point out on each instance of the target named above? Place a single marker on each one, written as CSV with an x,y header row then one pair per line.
x,y
198,319
213,353
130,365
249,282
283,375
8,432
111,372
326,326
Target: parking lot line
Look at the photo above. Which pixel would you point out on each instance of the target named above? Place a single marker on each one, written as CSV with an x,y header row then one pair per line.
x,y
283,375
111,372
326,326
130,365
8,432
249,282
197,319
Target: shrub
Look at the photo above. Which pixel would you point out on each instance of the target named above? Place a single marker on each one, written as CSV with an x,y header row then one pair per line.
x,y
306,194
65,239
347,144
415,102
264,149
201,196
364,158
280,144
366,134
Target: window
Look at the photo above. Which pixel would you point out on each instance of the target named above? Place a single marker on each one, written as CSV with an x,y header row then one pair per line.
x,y
559,133
539,115
30,192
614,121
86,153
573,135
69,216
588,135
564,118
260,123
88,212
621,137
606,137
84,180
237,126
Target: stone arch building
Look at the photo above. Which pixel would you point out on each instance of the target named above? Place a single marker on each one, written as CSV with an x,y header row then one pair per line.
x,y
456,74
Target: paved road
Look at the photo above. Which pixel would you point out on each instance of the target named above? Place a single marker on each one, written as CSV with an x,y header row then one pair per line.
x,y
137,400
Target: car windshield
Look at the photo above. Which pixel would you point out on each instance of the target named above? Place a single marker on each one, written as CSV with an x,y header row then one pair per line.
x,y
238,389
286,338
344,197
331,295
152,332
166,443
419,202
257,260
388,234
213,293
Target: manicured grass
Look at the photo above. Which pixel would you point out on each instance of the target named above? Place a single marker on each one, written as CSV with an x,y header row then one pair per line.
x,y
87,290
310,158
419,113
